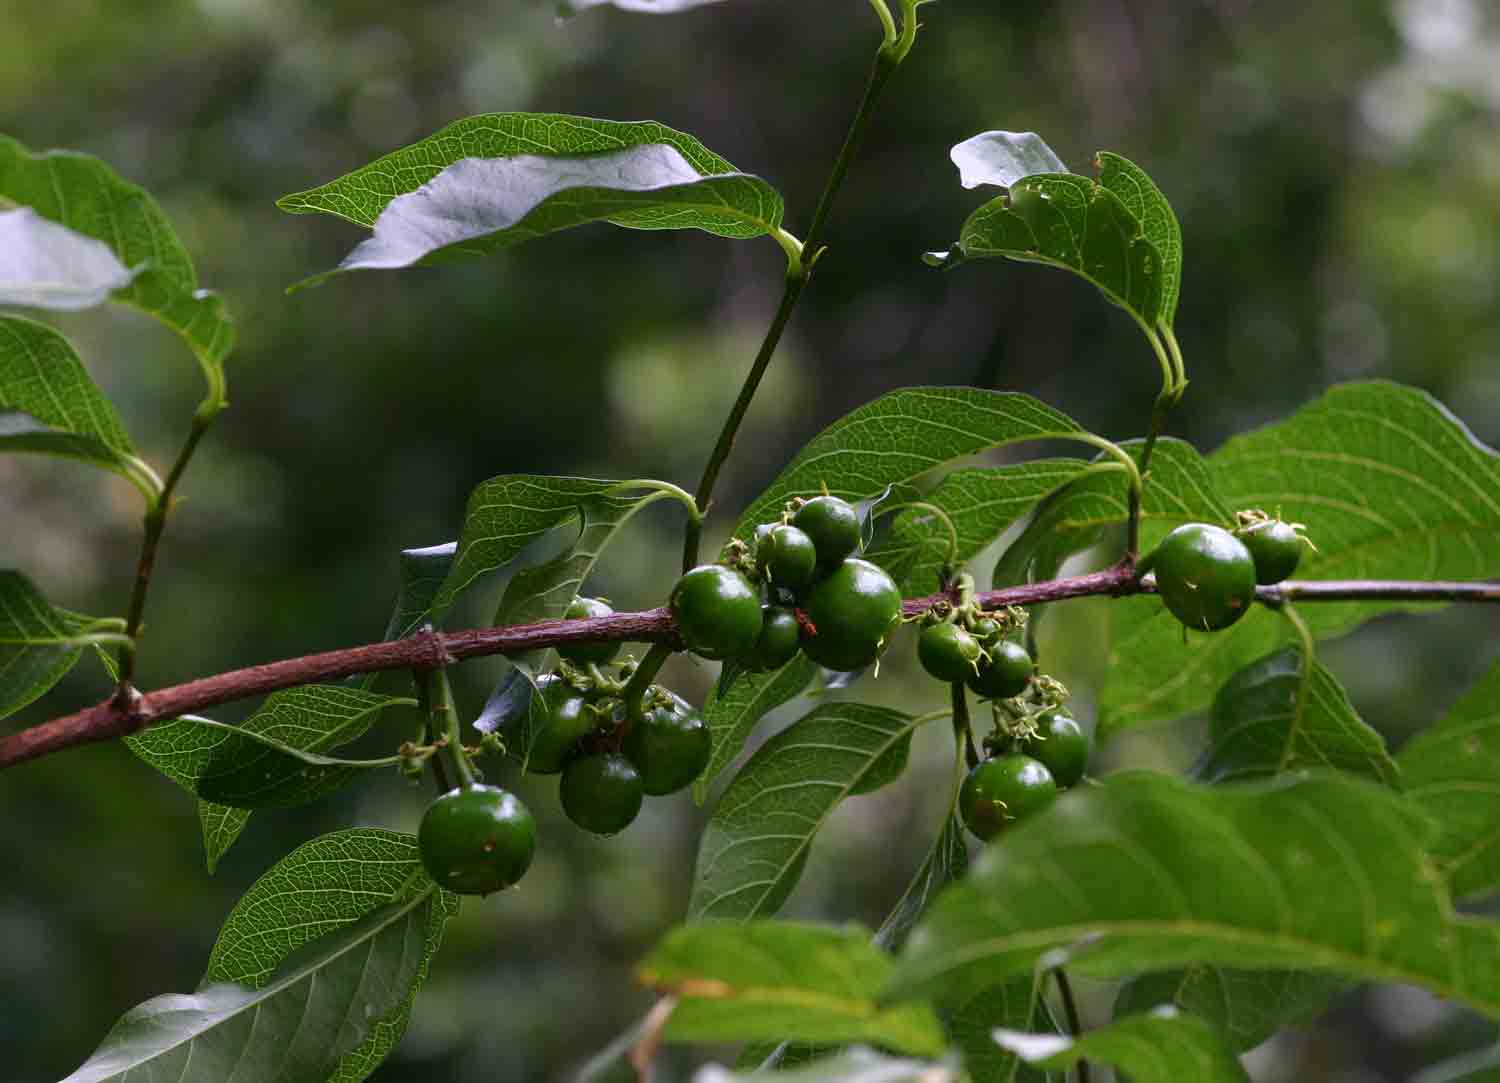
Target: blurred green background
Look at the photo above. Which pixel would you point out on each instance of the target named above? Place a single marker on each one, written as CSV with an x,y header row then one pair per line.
x,y
1336,167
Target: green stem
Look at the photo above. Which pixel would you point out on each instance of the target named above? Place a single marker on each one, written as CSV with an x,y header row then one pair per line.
x,y
963,731
1133,479
635,689
156,522
665,488
887,22
899,48
436,694
1070,1009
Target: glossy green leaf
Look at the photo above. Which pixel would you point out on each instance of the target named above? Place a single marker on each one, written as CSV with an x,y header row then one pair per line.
x,y
1146,872
1144,199
45,265
756,843
323,886
1389,485
854,1065
1162,1046
311,980
1452,771
271,760
983,504
38,643
946,861
1003,158
901,436
1278,714
732,714
221,826
493,181
1246,1006
783,980
1074,223
971,1024
88,197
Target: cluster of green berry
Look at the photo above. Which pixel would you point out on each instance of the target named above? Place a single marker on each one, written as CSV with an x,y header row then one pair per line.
x,y
1032,758
802,588
1207,575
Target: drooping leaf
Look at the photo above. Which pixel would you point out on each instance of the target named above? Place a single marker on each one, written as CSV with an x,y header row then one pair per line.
x,y
20,432
732,714
1162,1046
901,436
783,980
1278,714
221,827
1145,200
1013,1005
1003,158
1389,485
41,375
88,197
946,861
854,1065
493,181
38,643
320,988
318,888
422,574
1453,772
982,503
272,759
756,843
45,265
1146,872
1075,223
1246,1006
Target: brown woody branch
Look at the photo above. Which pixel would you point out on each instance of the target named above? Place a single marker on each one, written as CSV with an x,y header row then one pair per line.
x,y
111,719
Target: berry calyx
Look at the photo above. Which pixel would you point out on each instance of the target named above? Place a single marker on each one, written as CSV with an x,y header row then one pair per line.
x,y
477,841
717,611
601,793
1001,791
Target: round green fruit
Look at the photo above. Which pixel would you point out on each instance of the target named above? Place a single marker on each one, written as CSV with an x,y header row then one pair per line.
x,y
717,611
1060,745
581,654
947,652
1205,575
833,526
601,793
853,611
1003,790
559,718
790,557
780,639
986,629
668,748
476,841
1276,548
1005,673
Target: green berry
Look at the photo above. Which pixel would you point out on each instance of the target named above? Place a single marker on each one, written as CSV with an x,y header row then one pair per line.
x,y
1276,548
669,748
1205,575
601,793
853,611
1001,791
790,557
833,526
947,652
476,841
1060,745
717,611
1005,673
559,718
581,654
780,639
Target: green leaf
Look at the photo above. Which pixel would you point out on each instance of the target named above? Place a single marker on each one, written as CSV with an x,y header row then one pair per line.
x,y
757,840
1011,1005
493,181
983,504
422,572
1074,223
1247,1006
1144,199
901,436
312,978
38,643
45,265
1278,714
783,980
271,760
854,1065
41,375
221,826
1146,872
1452,771
1003,158
323,886
88,197
946,861
731,715
1163,1046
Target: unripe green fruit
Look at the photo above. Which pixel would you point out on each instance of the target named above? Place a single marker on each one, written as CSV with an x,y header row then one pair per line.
x,y
1205,575
1275,547
986,629
947,652
1003,790
476,841
1006,673
1060,745
581,654
790,557
601,793
853,610
559,718
717,611
780,639
833,526
668,748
